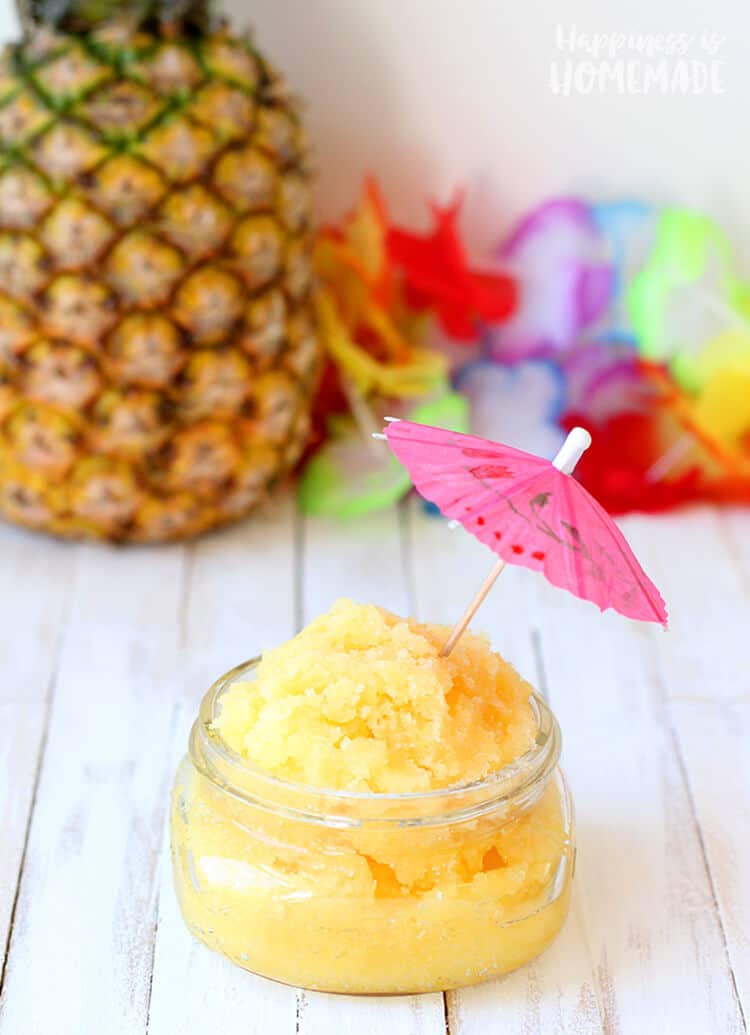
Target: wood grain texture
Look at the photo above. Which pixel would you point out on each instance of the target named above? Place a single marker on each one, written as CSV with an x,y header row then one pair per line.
x,y
644,924
647,900
35,577
362,560
117,647
705,678
322,1014
81,951
241,599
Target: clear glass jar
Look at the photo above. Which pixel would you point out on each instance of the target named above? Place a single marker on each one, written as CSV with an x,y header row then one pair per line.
x,y
371,893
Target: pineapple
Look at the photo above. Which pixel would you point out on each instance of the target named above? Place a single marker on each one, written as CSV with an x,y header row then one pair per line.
x,y
158,351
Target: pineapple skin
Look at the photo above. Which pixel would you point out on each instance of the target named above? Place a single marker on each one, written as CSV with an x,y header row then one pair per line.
x,y
158,349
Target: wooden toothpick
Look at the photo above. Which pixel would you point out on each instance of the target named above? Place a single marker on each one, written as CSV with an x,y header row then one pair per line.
x,y
472,609
569,454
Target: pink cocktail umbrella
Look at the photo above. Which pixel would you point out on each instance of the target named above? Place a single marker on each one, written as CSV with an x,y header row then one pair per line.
x,y
529,511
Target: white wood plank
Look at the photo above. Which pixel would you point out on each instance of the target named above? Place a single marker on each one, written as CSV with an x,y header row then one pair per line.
x,y
648,903
550,995
35,576
362,560
365,561
241,600
706,591
558,990
80,955
656,730
322,1014
643,926
199,992
703,561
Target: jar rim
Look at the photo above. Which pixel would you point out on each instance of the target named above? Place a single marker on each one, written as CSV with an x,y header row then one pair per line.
x,y
213,756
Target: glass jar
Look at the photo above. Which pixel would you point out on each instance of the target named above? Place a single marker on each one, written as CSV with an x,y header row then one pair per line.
x,y
371,893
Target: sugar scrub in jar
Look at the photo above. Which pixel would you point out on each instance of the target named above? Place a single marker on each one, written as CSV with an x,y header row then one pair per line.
x,y
357,814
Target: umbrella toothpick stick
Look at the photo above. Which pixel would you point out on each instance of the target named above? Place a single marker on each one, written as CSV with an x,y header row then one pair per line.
x,y
568,456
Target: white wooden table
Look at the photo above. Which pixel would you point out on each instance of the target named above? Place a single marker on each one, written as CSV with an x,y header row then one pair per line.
x,y
106,652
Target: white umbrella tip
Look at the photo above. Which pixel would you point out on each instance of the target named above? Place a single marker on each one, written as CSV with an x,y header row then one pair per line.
x,y
572,449
582,438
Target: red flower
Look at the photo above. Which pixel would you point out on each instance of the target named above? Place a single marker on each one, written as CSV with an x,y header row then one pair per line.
x,y
438,277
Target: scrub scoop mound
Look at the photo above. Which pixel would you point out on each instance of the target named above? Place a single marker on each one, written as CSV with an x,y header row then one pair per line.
x,y
359,814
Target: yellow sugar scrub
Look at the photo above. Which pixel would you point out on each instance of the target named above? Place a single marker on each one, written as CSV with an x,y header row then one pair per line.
x,y
358,814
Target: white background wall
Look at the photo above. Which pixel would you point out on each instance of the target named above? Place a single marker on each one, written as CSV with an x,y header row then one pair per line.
x,y
430,94
434,93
